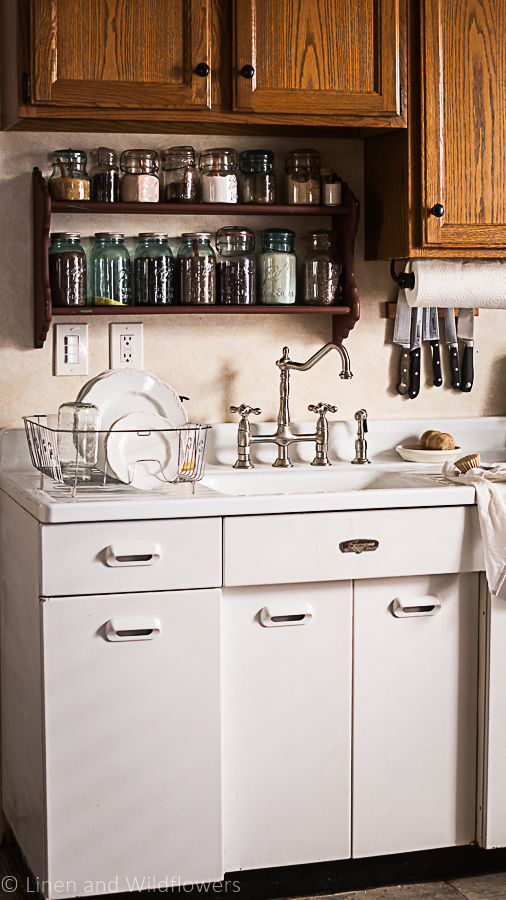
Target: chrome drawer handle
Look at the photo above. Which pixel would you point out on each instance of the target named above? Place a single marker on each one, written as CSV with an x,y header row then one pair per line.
x,y
358,545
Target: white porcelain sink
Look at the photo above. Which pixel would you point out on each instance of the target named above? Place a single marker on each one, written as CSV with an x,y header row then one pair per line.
x,y
306,480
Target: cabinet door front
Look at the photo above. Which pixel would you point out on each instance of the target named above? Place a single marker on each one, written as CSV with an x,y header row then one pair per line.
x,y
118,53
464,126
317,56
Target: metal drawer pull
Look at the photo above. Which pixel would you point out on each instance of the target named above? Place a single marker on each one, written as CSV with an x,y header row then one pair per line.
x,y
358,545
138,629
276,614
411,606
132,553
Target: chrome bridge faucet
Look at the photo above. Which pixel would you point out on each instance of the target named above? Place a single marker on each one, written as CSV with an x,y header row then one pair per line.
x,y
283,435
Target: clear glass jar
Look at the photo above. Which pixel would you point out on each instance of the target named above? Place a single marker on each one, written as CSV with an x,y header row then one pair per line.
x,y
78,425
140,182
153,271
321,270
277,266
105,177
67,270
218,180
180,175
302,179
258,180
235,266
110,279
332,188
69,180
197,269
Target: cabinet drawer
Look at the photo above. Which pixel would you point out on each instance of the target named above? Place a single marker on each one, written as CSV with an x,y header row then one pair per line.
x,y
117,557
306,547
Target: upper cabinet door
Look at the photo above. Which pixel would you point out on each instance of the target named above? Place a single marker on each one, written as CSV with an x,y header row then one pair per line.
x,y
464,126
119,53
317,56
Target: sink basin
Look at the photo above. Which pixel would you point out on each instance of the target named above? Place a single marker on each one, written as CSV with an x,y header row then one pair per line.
x,y
305,481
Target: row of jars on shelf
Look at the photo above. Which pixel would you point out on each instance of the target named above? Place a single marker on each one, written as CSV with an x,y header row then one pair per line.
x,y
213,180
198,275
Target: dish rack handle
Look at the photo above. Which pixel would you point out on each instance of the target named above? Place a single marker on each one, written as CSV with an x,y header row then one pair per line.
x,y
132,554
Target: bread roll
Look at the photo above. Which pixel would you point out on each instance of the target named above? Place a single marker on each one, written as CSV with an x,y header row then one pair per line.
x,y
425,437
440,441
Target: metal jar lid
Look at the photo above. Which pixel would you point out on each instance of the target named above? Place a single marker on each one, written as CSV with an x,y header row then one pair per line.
x,y
115,235
196,236
65,236
152,235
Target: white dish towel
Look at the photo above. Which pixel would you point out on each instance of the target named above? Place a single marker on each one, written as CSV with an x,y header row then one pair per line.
x,y
458,282
490,486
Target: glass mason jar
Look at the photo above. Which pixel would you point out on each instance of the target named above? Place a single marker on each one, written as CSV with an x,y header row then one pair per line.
x,y
218,179
197,269
258,180
105,177
235,266
78,425
321,270
110,270
140,182
153,271
67,270
69,180
277,266
180,175
302,180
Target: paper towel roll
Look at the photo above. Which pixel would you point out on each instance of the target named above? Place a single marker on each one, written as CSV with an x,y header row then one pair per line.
x,y
458,282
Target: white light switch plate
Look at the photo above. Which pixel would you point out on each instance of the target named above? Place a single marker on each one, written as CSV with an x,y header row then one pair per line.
x,y
71,350
125,346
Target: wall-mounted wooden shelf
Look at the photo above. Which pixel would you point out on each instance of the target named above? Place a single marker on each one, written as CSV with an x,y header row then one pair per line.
x,y
344,222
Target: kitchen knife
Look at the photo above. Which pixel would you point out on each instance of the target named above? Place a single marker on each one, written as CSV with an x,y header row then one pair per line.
x,y
453,347
402,333
430,332
416,354
465,331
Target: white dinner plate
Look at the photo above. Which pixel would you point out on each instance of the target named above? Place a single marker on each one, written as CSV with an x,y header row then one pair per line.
x,y
139,454
119,392
414,454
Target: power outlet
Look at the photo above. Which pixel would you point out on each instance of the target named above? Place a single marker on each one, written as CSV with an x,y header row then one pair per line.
x,y
125,346
71,350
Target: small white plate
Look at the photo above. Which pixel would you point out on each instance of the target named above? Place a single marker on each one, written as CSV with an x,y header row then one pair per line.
x,y
414,454
141,455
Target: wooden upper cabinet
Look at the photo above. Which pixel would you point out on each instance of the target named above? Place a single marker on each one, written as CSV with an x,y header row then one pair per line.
x,y
317,56
464,122
120,53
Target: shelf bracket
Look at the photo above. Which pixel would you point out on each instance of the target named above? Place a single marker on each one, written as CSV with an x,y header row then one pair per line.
x,y
346,230
42,292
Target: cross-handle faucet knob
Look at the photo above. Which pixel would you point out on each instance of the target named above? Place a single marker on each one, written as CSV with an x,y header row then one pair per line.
x,y
244,435
322,408
322,433
244,410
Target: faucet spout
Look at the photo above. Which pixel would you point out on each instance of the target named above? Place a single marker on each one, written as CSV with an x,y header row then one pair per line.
x,y
285,363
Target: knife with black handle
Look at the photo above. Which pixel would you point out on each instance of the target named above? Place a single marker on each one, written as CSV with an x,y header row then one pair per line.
x,y
430,333
416,353
453,347
465,331
402,331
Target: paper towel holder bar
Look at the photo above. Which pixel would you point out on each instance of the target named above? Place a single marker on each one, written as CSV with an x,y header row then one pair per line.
x,y
405,280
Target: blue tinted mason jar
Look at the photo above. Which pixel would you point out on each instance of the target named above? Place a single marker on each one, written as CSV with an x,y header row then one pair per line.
x,y
258,180
153,271
277,267
67,270
110,278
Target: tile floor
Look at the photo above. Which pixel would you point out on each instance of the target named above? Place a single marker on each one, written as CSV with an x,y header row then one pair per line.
x,y
480,887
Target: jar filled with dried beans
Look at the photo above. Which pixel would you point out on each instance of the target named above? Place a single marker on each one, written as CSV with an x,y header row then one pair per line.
x,y
180,175
105,177
67,270
140,182
153,270
321,270
235,266
69,179
197,269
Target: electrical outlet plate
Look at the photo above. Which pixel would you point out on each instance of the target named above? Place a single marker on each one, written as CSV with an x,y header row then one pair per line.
x,y
125,346
71,350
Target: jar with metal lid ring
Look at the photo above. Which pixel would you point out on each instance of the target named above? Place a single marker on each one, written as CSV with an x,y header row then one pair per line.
x,y
197,269
105,177
277,267
180,175
69,179
218,175
140,182
235,266
258,179
67,269
302,179
153,271
321,270
110,279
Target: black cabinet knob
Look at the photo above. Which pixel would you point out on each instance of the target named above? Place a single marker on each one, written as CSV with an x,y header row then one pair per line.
x,y
438,210
247,71
202,70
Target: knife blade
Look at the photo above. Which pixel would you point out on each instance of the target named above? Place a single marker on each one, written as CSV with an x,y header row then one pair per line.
x,y
416,343
402,336
465,331
430,333
453,347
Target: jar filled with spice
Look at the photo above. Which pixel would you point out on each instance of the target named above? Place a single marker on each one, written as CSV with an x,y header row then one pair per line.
x,y
277,267
140,182
258,180
153,271
197,269
69,179
67,270
321,270
105,177
302,180
218,179
110,283
180,175
235,266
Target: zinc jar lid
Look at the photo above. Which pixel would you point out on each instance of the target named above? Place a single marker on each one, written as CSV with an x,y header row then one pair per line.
x,y
113,235
153,235
196,236
256,161
65,236
278,239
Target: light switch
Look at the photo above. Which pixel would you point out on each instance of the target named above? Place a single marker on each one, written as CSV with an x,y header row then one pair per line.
x,y
71,350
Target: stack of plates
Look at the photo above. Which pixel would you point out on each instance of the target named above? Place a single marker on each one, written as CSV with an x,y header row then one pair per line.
x,y
135,408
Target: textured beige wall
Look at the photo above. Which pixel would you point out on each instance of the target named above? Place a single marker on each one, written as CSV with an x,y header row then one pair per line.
x,y
222,360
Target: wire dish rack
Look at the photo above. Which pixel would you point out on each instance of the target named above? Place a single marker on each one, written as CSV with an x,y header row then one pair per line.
x,y
44,446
